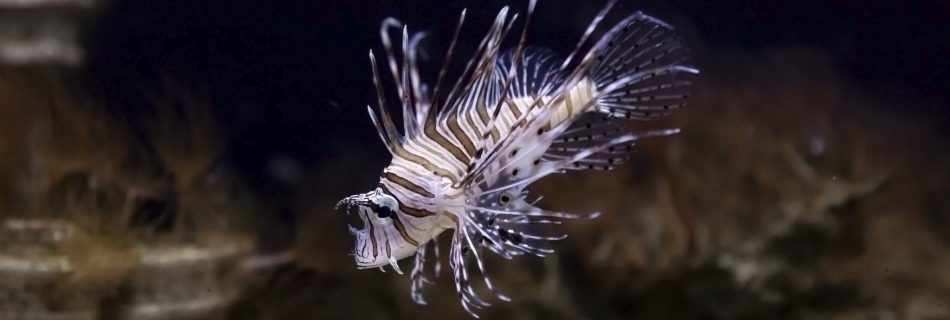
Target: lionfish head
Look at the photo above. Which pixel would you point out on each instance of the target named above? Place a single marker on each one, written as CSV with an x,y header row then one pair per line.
x,y
378,241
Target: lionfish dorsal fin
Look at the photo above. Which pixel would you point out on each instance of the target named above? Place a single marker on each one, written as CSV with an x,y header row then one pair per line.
x,y
537,74
399,75
433,111
384,123
502,70
641,69
476,80
406,76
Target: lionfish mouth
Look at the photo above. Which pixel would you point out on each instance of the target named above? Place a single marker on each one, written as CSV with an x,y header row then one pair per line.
x,y
361,199
352,204
359,227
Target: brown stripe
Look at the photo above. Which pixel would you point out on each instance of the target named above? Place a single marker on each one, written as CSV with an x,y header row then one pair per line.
x,y
519,124
456,129
372,236
569,104
496,117
482,111
514,108
435,152
452,217
434,134
405,154
471,122
402,230
395,178
389,250
418,213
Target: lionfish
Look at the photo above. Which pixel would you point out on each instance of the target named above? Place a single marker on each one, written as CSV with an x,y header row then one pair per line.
x,y
466,153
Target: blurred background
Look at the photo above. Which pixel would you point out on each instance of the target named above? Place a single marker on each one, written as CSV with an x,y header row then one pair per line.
x,y
181,159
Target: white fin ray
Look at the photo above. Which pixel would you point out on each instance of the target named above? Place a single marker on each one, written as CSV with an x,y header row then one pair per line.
x,y
417,275
589,130
537,74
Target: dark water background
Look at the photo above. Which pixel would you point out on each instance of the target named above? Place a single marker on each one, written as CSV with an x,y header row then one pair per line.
x,y
809,181
303,63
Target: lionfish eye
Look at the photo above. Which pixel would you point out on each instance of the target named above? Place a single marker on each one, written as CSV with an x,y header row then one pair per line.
x,y
384,212
383,205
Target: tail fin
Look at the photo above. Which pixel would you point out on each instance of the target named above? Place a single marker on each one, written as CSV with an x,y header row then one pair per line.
x,y
641,70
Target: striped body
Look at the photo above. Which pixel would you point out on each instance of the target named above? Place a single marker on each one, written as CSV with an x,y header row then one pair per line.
x,y
414,174
467,152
